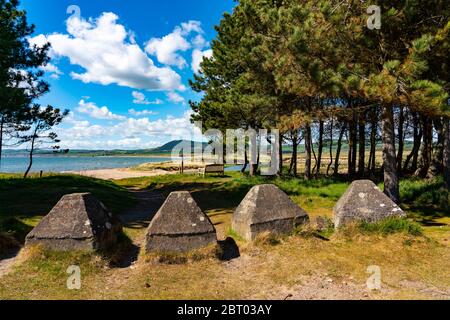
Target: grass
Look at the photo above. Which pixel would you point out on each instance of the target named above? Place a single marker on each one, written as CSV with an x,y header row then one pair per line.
x,y
265,270
391,226
25,201
413,251
166,166
428,198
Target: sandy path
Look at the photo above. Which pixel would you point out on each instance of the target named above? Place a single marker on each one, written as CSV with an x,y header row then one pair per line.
x,y
123,173
7,262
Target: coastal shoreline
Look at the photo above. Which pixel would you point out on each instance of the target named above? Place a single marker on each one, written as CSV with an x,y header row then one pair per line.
x,y
119,173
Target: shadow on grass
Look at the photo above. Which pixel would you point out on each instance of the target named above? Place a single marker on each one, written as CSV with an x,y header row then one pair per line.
x,y
425,200
208,195
123,254
228,249
37,196
15,228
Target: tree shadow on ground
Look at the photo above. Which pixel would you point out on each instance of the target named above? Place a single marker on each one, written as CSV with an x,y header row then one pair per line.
x,y
214,195
15,228
124,253
228,249
37,196
426,201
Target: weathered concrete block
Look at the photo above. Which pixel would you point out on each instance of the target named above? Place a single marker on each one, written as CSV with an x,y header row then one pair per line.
x,y
267,208
77,222
364,201
179,226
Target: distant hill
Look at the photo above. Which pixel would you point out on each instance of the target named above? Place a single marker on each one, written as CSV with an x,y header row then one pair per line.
x,y
168,147
165,149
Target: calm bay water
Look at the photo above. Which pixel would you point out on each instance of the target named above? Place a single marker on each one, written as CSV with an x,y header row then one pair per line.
x,y
16,164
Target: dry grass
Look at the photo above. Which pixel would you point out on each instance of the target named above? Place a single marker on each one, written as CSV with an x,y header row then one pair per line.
x,y
167,166
208,253
303,265
263,271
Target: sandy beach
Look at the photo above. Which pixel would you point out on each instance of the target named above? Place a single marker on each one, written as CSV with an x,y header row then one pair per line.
x,y
124,173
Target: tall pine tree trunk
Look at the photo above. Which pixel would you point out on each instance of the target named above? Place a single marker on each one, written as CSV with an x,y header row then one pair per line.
x,y
308,154
338,150
417,140
315,158
438,154
331,147
294,161
415,159
425,161
391,184
352,147
362,145
373,142
447,153
401,141
320,147
30,164
244,167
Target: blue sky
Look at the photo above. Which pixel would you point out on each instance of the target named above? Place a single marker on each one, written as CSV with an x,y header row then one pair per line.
x,y
122,67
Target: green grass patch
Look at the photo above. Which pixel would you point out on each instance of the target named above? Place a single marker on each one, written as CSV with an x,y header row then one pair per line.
x,y
426,199
391,226
214,192
25,201
233,234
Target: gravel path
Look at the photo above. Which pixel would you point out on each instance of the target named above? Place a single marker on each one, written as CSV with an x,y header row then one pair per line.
x,y
7,262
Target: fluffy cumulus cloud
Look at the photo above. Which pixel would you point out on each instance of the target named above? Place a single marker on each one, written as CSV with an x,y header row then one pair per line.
x,y
197,58
101,113
52,70
139,98
167,49
139,113
175,97
130,133
179,127
105,52
108,54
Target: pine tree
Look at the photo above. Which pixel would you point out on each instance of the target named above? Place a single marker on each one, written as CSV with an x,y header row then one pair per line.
x,y
20,79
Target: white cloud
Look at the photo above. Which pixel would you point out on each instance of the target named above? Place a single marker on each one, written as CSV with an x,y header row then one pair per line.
x,y
172,127
175,97
139,98
130,133
80,130
142,112
95,112
197,58
199,42
109,55
166,48
191,26
53,70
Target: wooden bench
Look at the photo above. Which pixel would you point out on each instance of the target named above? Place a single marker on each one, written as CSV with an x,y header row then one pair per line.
x,y
212,168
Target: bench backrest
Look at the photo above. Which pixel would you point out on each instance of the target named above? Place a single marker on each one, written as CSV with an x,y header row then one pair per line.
x,y
214,168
